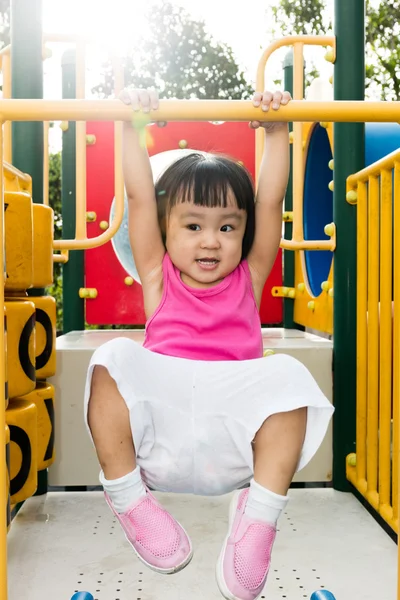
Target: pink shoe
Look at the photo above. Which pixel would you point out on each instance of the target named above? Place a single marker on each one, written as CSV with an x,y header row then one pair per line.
x,y
244,561
158,540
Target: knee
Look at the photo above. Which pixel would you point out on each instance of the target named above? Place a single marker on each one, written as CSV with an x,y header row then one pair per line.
x,y
102,385
100,378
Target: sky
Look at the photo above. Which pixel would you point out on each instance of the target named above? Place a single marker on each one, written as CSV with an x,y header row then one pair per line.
x,y
248,33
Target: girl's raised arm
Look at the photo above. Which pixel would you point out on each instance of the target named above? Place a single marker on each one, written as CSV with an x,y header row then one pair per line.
x,y
272,183
144,231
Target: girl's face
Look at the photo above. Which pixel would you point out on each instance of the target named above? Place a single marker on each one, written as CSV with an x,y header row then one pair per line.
x,y
205,243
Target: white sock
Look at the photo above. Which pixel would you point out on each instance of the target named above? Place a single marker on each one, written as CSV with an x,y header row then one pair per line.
x,y
124,491
264,505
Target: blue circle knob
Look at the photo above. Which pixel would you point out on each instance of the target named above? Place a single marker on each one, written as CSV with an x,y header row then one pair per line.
x,y
82,596
322,595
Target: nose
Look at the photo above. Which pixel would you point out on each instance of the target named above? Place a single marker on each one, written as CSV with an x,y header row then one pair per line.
x,y
210,240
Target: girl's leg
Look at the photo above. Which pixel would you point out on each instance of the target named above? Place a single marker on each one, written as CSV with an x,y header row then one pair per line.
x,y
157,538
242,568
277,447
108,419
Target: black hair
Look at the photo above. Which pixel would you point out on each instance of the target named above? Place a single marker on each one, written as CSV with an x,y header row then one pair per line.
x,y
207,180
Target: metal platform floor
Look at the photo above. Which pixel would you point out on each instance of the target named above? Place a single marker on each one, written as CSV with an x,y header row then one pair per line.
x,y
69,541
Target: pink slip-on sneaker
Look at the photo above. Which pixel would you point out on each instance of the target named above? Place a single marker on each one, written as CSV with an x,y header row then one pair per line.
x,y
245,557
158,540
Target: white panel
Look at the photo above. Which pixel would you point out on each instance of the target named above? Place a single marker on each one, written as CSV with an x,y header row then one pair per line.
x,y
76,462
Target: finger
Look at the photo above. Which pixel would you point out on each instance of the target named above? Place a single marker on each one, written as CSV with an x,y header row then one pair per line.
x,y
257,99
144,98
266,101
254,124
124,96
286,97
134,98
153,99
276,100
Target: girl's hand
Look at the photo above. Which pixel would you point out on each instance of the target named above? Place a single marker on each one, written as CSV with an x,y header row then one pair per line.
x,y
269,100
144,100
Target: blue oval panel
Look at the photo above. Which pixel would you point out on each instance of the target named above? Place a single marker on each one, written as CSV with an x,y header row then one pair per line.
x,y
317,206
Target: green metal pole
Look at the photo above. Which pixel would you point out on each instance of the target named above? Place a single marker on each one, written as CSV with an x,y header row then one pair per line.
x,y
349,84
73,270
27,82
288,263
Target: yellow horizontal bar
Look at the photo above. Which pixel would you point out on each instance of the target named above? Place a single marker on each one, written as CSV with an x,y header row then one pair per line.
x,y
12,171
308,244
199,110
63,257
386,163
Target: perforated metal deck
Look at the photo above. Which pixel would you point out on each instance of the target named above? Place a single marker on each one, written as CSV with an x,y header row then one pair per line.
x,y
70,541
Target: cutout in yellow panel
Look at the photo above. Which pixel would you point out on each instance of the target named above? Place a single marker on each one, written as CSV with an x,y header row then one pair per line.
x,y
43,398
21,418
20,347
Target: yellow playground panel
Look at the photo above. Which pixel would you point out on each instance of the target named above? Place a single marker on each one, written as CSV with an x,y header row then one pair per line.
x,y
374,468
29,346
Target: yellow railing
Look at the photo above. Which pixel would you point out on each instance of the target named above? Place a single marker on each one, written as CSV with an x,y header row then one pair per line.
x,y
181,110
297,42
373,469
80,232
3,466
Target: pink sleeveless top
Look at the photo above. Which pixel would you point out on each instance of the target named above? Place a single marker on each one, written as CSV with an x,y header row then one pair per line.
x,y
216,323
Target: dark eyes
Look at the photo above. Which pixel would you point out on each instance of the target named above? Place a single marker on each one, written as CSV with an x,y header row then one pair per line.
x,y
224,228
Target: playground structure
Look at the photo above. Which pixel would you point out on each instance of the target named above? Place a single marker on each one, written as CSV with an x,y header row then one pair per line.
x,y
317,294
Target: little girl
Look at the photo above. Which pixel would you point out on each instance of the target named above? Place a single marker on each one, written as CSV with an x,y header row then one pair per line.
x,y
198,409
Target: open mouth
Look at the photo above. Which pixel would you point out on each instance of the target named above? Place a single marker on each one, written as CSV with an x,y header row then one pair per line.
x,y
207,262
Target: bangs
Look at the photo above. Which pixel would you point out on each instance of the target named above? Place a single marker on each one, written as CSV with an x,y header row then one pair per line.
x,y
207,180
212,181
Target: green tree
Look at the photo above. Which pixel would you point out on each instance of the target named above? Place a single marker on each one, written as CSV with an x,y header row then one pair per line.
x,y
382,34
180,59
301,17
383,51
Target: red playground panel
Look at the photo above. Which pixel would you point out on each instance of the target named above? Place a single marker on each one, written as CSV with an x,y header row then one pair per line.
x,y
119,301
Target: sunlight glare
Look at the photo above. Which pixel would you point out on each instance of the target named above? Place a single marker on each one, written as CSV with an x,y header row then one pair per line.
x,y
114,25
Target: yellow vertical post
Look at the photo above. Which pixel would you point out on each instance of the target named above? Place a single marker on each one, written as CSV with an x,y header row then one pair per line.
x,y
6,68
118,175
46,126
396,359
396,346
3,502
385,338
80,230
373,332
362,254
298,168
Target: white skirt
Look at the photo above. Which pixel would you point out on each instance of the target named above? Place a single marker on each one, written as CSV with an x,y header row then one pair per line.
x,y
193,422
